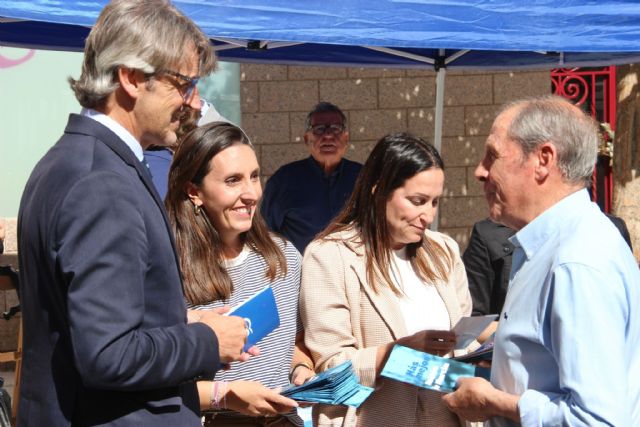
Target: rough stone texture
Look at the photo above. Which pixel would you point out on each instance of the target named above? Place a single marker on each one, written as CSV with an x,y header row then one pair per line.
x,y
8,299
261,72
478,120
11,235
316,73
468,90
455,183
421,122
358,151
407,92
462,151
300,95
373,124
381,101
474,187
274,156
461,211
352,94
421,72
249,97
267,128
375,72
297,120
510,86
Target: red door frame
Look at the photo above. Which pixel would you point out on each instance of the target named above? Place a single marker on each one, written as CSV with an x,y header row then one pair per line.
x,y
594,90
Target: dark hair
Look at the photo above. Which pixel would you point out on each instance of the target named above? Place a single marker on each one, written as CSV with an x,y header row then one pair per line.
x,y
395,158
324,107
199,245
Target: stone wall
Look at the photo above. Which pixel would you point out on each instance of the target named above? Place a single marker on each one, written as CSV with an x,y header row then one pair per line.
x,y
9,298
276,99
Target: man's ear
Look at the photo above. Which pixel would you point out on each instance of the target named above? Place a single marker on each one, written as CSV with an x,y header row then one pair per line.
x,y
130,81
194,194
344,137
306,137
546,160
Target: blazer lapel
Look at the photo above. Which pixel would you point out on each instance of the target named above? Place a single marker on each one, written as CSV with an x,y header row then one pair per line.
x,y
384,301
88,126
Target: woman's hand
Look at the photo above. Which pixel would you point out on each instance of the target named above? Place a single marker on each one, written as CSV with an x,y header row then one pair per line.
x,y
253,399
429,341
301,373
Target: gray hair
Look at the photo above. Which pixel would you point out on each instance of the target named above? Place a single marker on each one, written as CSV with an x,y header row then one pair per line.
x,y
324,107
553,119
147,35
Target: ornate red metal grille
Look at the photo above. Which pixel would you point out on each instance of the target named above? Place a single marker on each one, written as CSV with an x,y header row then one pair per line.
x,y
594,90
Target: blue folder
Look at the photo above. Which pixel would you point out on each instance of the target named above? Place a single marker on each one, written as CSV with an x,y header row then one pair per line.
x,y
260,314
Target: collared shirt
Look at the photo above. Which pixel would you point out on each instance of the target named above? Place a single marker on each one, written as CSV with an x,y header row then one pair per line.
x,y
569,331
116,128
299,200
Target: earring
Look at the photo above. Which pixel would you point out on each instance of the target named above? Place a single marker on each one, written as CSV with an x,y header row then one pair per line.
x,y
197,209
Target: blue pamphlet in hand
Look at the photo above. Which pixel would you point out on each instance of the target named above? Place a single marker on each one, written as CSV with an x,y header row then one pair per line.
x,y
260,315
336,386
428,371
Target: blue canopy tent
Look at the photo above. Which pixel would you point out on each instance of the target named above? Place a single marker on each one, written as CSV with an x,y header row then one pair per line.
x,y
465,34
442,34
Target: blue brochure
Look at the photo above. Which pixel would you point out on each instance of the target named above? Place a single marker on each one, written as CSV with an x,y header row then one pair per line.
x,y
260,315
336,386
428,371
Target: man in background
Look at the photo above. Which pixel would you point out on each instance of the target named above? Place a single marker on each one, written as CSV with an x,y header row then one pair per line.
x,y
302,197
565,350
106,341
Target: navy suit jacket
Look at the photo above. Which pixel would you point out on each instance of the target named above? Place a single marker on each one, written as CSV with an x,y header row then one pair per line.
x,y
105,334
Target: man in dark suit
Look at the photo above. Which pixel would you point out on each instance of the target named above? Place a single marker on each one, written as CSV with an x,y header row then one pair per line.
x,y
106,339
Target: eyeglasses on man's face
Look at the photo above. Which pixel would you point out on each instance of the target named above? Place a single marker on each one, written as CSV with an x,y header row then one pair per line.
x,y
186,89
333,129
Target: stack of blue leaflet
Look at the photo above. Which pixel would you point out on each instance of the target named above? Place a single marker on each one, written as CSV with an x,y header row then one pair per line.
x,y
336,386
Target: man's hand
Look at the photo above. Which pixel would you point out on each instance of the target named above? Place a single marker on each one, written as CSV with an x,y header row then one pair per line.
x,y
476,399
230,330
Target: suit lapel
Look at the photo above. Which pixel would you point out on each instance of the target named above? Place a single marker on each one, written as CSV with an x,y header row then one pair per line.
x,y
384,301
88,126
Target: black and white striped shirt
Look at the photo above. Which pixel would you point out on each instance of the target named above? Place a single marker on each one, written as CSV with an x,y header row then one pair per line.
x,y
248,274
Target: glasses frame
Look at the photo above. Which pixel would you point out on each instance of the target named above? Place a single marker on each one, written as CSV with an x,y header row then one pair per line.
x,y
331,128
192,81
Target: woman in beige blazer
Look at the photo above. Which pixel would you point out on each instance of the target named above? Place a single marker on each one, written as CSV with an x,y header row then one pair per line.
x,y
377,276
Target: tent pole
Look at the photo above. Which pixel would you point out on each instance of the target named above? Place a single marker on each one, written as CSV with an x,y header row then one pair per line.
x,y
437,137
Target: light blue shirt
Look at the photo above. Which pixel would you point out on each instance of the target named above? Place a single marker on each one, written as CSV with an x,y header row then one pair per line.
x,y
568,341
116,128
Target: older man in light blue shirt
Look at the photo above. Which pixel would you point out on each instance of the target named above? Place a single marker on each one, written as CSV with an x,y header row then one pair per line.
x,y
566,346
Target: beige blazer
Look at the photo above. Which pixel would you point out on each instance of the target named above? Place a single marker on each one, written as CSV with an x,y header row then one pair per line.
x,y
344,319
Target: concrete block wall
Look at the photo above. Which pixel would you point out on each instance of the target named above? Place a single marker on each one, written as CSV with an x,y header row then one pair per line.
x,y
8,299
276,99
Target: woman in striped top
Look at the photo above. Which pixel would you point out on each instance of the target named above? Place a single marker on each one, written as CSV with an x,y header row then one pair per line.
x,y
227,255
